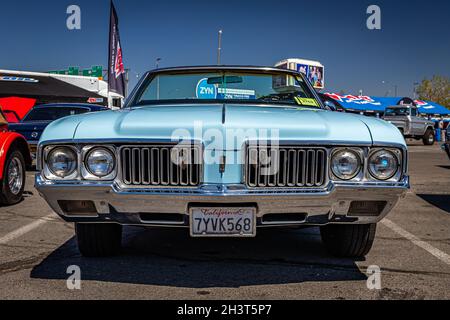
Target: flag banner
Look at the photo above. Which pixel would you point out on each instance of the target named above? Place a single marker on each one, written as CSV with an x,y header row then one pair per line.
x,y
116,70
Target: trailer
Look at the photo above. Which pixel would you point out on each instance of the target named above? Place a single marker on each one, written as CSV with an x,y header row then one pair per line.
x,y
57,88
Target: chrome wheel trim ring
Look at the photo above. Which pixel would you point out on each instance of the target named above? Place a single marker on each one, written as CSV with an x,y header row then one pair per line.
x,y
15,176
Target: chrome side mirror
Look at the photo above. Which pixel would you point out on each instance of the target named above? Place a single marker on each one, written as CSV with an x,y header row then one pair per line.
x,y
330,105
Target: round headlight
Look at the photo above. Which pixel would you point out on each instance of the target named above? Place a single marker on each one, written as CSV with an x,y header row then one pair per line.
x,y
62,161
345,164
100,162
383,165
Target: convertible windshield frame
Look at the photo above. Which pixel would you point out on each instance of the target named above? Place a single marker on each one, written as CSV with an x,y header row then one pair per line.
x,y
141,87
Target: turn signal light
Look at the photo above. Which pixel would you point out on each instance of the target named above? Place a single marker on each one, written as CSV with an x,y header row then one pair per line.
x,y
78,208
366,208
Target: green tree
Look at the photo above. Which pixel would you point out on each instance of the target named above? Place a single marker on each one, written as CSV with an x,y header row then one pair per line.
x,y
437,90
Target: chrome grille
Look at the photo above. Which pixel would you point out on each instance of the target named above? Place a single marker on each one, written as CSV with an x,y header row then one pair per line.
x,y
171,166
290,167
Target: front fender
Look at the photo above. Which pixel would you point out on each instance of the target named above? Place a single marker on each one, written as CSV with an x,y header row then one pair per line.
x,y
7,139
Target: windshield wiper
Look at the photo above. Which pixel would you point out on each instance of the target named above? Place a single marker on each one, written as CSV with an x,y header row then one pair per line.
x,y
269,98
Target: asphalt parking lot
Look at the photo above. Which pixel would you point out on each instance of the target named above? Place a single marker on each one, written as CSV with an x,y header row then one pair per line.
x,y
412,249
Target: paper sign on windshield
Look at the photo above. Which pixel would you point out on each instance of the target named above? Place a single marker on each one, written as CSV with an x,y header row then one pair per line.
x,y
306,102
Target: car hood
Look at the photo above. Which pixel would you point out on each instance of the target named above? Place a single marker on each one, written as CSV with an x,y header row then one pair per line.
x,y
207,122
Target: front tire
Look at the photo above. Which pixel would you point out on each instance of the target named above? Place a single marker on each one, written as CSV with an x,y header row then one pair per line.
x,y
98,240
14,175
349,241
429,138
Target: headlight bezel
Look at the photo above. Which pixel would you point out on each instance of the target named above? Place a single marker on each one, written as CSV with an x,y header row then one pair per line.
x,y
365,153
359,174
49,173
86,173
400,165
81,173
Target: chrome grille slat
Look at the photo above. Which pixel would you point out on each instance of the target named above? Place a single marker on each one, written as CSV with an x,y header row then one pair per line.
x,y
319,170
125,172
154,165
252,157
144,164
292,166
136,163
302,164
150,166
311,159
299,167
282,172
164,167
194,173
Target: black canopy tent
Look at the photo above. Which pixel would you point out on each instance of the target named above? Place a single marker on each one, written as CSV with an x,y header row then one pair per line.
x,y
45,89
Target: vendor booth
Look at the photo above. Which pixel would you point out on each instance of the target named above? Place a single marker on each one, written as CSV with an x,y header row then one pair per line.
x,y
375,106
18,93
431,108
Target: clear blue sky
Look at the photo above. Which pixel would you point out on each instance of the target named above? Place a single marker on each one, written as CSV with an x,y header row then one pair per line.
x,y
414,41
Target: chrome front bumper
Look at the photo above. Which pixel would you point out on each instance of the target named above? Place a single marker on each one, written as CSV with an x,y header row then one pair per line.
x,y
126,206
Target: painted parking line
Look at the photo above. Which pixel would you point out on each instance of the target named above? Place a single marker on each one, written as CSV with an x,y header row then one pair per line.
x,y
422,244
25,229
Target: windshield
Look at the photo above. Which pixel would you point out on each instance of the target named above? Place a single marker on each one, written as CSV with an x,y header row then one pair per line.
x,y
53,113
226,87
397,111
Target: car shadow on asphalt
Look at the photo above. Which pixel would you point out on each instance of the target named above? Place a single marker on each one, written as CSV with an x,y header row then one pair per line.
x,y
169,257
26,194
441,201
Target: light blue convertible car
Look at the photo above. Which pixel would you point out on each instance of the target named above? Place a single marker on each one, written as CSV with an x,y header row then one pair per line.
x,y
223,151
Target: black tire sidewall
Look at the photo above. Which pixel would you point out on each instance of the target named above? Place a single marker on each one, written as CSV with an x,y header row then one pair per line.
x,y
6,196
348,241
426,138
98,240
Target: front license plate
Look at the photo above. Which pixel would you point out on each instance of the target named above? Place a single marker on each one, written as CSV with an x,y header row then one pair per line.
x,y
223,222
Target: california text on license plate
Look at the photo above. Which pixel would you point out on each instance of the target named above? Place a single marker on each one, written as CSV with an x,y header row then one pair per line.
x,y
223,222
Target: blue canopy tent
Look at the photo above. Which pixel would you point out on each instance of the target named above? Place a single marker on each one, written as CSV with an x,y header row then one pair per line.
x,y
431,108
365,104
377,105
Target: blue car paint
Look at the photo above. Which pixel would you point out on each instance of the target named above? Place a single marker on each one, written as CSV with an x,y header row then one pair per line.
x,y
27,128
160,122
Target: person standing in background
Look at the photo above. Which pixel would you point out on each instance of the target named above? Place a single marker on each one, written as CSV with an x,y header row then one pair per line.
x,y
441,127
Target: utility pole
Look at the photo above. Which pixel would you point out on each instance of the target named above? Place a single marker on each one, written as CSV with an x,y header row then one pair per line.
x,y
415,89
390,84
219,48
127,80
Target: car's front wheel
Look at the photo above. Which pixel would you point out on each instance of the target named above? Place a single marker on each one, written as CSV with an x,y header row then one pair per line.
x,y
349,241
98,240
13,182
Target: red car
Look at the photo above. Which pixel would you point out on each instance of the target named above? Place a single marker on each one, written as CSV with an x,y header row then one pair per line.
x,y
14,158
